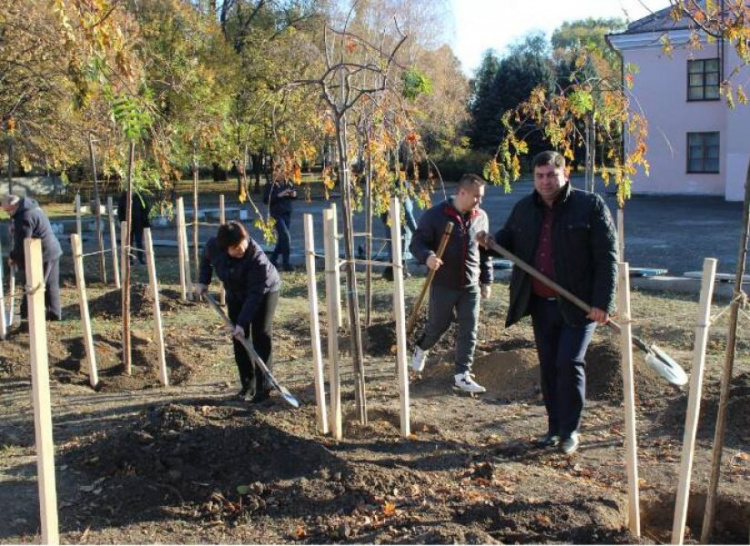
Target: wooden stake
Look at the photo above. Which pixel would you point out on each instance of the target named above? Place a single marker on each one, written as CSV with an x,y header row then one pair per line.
x,y
398,306
45,447
113,242
694,401
621,234
3,323
312,297
222,221
78,213
83,302
98,214
12,290
332,299
127,356
337,270
631,447
181,247
185,251
154,285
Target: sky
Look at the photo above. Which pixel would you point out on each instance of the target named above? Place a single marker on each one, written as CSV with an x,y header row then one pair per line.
x,y
483,24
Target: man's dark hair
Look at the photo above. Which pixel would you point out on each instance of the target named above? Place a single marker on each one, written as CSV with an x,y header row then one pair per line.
x,y
471,180
230,234
549,157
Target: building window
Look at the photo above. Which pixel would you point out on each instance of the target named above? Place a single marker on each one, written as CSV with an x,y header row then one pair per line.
x,y
703,153
703,79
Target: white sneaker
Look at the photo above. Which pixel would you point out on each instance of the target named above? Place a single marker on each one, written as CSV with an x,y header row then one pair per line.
x,y
465,382
419,359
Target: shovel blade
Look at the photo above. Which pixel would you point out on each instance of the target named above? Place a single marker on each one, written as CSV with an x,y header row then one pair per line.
x,y
667,368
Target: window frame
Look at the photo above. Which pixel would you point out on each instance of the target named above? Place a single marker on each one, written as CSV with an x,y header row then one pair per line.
x,y
705,152
703,87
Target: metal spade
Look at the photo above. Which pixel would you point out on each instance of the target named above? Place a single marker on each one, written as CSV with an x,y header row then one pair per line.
x,y
657,359
285,394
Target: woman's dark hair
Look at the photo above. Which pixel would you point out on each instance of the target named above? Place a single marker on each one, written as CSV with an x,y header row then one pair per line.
x,y
230,234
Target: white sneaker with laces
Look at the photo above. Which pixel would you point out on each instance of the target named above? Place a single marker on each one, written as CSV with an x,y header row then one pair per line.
x,y
465,382
418,360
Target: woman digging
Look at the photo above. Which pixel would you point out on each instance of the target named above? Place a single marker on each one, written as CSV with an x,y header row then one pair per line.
x,y
252,287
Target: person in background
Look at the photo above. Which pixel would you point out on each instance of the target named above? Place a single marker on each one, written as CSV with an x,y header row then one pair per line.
x,y
252,287
278,195
139,221
410,225
568,235
455,290
29,220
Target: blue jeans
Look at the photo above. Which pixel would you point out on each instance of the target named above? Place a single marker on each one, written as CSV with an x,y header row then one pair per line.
x,y
283,238
447,304
561,349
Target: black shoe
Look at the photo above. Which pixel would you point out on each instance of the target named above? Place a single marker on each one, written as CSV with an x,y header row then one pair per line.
x,y
260,396
243,393
388,273
288,267
548,440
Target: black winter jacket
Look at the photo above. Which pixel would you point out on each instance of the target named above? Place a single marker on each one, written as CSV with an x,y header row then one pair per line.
x,y
465,263
278,205
246,280
139,213
585,251
30,220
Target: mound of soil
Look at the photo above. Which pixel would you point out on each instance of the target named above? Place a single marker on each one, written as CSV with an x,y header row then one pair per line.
x,y
109,305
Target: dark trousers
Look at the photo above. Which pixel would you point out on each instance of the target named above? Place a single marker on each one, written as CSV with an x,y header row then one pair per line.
x,y
52,303
283,238
561,349
260,330
136,243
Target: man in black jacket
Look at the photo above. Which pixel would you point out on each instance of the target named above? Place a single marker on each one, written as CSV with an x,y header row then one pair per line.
x,y
455,289
29,220
568,235
141,209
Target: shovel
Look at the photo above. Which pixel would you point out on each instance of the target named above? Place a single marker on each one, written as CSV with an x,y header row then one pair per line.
x,y
428,281
285,394
659,361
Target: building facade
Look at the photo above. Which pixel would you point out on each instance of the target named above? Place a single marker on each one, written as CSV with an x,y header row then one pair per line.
x,y
697,144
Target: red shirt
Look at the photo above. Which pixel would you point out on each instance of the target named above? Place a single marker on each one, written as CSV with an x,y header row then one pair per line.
x,y
544,258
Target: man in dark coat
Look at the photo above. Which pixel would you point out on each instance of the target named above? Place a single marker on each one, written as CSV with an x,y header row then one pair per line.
x,y
141,209
29,220
568,235
278,195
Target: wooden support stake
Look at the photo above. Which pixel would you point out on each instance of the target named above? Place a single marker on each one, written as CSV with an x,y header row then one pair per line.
x,y
83,302
12,291
78,214
185,251
694,401
337,271
621,234
127,356
45,447
154,285
222,221
181,247
3,324
626,350
113,242
333,300
398,306
312,297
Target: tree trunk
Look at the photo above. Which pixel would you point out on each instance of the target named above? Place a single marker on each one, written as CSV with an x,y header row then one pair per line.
x,y
368,239
10,167
726,376
195,212
98,214
351,280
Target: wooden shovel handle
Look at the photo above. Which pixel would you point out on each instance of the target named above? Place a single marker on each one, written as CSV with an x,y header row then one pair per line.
x,y
428,281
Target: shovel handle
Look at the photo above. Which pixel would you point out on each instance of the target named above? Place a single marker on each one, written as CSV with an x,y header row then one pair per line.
x,y
428,281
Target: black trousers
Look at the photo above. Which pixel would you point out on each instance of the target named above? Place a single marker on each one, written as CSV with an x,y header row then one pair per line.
x,y
561,349
52,303
260,330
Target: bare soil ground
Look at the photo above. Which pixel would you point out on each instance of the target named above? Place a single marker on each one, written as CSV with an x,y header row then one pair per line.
x,y
138,463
